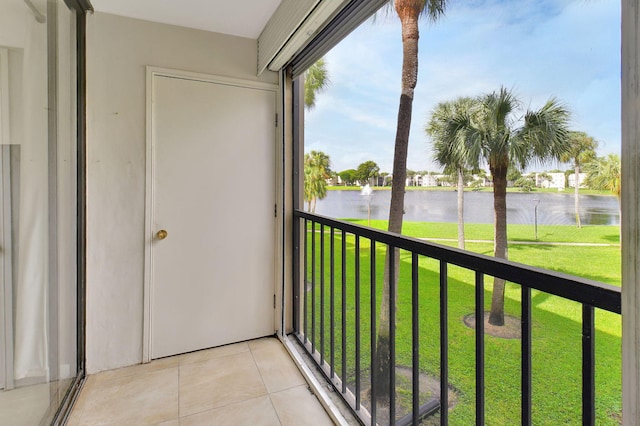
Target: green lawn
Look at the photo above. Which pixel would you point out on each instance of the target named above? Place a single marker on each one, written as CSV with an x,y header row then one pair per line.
x,y
473,231
556,322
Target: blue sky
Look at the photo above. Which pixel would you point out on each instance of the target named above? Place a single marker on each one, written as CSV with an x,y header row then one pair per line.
x,y
569,49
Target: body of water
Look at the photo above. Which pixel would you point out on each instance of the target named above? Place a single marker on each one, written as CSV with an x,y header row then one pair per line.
x,y
441,206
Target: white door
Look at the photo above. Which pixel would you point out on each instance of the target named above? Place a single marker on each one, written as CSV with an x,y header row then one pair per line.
x,y
213,192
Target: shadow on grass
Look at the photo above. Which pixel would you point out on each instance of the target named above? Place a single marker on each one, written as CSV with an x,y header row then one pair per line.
x,y
540,298
600,278
614,239
522,247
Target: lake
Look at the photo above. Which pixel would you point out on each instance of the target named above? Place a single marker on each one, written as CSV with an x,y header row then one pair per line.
x,y
441,206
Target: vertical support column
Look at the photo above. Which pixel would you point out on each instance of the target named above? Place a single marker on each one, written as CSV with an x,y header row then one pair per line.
x,y
53,193
6,270
296,143
630,208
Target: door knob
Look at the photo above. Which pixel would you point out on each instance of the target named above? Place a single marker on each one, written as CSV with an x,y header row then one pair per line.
x,y
162,234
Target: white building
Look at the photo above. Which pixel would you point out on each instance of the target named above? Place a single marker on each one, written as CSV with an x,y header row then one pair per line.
x,y
572,180
554,180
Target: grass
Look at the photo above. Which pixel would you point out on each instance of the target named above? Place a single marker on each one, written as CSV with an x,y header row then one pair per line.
x,y
473,231
556,322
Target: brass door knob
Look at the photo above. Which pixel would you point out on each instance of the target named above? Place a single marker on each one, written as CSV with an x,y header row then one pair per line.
x,y
162,234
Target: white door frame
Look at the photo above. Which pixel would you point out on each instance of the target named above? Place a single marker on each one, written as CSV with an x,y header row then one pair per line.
x,y
153,72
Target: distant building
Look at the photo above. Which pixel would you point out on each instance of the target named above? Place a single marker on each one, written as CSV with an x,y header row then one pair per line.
x,y
550,180
429,180
334,181
414,180
572,180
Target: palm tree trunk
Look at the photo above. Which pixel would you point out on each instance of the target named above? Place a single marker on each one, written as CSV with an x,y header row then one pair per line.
x,y
409,21
577,194
461,209
496,316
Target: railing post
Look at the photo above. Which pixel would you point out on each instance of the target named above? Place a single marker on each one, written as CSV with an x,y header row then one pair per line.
x,y
344,312
374,331
357,322
415,337
588,366
479,348
313,287
392,333
525,335
332,303
297,271
444,345
322,272
305,309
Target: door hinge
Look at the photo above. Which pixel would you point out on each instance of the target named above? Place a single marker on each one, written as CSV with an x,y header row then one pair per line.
x,y
276,119
274,301
275,210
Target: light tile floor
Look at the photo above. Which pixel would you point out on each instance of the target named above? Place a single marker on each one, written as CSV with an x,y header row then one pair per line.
x,y
249,383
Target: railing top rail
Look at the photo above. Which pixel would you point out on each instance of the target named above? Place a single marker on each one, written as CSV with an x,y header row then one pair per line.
x,y
582,290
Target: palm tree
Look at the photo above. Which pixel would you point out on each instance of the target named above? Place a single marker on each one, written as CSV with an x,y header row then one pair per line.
x,y
604,173
445,138
409,12
491,135
316,172
316,80
582,150
316,163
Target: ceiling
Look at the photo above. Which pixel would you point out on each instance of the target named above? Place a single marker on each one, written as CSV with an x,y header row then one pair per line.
x,y
244,18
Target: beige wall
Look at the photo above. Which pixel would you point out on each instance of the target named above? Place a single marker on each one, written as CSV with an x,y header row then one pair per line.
x,y
119,49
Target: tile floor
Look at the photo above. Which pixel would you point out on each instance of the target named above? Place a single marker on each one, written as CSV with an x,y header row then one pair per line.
x,y
252,383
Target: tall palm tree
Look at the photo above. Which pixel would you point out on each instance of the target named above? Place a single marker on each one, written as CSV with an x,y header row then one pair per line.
x,y
409,12
445,137
316,172
582,150
316,80
491,135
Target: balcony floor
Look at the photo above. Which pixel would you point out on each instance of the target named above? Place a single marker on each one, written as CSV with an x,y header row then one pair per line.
x,y
253,382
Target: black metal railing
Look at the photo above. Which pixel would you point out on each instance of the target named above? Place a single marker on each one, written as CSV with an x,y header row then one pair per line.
x,y
349,358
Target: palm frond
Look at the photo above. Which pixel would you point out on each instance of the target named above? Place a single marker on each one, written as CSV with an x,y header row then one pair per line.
x,y
316,80
581,148
545,133
448,129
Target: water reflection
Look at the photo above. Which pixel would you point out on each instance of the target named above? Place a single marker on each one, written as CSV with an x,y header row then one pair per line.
x,y
441,206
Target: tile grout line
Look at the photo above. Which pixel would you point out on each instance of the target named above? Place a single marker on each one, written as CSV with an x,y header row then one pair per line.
x,y
265,386
233,402
259,372
179,415
274,409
